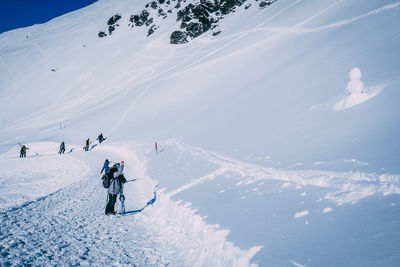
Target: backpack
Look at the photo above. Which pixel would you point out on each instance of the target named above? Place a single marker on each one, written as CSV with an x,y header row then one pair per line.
x,y
107,177
106,181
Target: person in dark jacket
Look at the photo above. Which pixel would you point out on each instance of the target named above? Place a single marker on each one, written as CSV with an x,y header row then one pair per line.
x,y
86,148
100,138
22,153
115,186
106,168
62,148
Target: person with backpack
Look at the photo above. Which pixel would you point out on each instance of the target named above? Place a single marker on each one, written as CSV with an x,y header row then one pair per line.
x,y
22,153
117,179
86,148
100,138
62,148
105,168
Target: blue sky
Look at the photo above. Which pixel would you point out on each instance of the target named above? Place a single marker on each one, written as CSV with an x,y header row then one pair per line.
x,y
22,13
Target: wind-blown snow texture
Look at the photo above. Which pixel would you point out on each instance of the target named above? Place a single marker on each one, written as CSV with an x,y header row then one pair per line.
x,y
277,137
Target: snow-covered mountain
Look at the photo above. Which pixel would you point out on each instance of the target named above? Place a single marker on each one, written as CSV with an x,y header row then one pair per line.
x,y
277,127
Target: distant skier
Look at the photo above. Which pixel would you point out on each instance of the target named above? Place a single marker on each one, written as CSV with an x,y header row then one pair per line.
x,y
155,145
62,148
86,148
22,153
106,168
117,180
100,138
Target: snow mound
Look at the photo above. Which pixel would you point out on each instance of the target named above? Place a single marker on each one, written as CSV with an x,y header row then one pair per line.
x,y
356,93
199,243
301,214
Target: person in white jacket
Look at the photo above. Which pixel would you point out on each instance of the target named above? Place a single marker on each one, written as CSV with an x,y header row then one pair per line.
x,y
116,183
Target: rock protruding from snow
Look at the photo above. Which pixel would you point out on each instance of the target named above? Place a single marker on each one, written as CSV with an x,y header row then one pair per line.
x,y
102,34
264,4
141,19
196,18
178,37
112,23
114,19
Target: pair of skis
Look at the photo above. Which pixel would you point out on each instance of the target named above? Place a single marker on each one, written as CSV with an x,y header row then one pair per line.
x,y
122,199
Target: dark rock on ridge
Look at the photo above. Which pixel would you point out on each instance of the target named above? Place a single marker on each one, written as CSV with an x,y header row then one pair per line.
x,y
178,37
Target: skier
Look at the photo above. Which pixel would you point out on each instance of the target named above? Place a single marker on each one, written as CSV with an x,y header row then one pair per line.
x,y
22,153
105,168
115,186
86,148
62,148
101,138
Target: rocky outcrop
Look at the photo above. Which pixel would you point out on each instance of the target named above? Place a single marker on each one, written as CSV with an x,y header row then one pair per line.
x,y
151,30
178,37
264,4
216,33
113,19
196,17
141,19
102,34
112,24
203,16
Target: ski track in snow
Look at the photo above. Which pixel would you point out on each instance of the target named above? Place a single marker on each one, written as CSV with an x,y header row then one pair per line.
x,y
49,121
296,30
285,31
350,187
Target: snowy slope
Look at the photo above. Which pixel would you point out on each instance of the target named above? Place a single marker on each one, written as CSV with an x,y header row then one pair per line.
x,y
277,56
279,134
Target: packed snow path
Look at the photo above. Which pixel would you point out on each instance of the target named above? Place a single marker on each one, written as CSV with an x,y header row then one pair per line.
x,y
69,228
